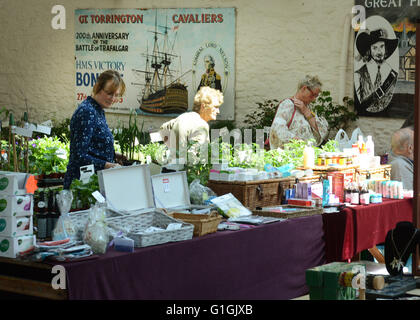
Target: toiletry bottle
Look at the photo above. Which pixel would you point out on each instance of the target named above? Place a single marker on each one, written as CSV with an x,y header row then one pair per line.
x,y
370,147
308,156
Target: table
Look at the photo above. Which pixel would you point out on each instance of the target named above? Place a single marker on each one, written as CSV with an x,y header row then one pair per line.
x,y
263,262
362,227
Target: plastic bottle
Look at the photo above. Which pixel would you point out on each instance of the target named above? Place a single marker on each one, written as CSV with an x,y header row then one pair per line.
x,y
360,143
370,147
308,156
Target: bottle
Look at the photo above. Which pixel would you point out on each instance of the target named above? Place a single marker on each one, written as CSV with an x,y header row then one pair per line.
x,y
308,156
355,195
360,143
370,148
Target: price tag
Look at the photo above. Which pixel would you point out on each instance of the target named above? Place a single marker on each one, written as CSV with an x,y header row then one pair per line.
x,y
165,182
98,196
22,131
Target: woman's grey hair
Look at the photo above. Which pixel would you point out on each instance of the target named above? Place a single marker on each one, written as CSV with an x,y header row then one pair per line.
x,y
206,96
312,82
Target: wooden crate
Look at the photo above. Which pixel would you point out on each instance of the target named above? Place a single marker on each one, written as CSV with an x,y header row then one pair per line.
x,y
257,193
383,172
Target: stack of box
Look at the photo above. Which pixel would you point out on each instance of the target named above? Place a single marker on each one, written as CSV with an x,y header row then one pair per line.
x,y
340,179
16,215
323,281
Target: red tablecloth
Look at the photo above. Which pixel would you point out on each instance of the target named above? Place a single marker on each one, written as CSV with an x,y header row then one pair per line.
x,y
362,227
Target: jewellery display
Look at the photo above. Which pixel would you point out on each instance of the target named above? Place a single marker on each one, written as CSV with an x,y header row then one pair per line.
x,y
397,263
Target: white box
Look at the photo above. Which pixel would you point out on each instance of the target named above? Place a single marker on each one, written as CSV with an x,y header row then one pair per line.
x,y
13,183
10,247
17,206
16,226
127,189
171,192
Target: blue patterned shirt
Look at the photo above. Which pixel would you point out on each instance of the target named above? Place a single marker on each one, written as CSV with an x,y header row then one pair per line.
x,y
91,140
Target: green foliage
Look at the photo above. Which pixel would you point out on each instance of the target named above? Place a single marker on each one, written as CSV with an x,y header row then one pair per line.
x,y
129,139
48,155
263,116
338,116
61,130
82,192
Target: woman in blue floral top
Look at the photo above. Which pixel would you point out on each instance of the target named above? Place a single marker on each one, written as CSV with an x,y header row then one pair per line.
x,y
91,140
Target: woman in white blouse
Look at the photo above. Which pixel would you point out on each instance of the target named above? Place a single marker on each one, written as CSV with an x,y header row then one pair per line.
x,y
294,118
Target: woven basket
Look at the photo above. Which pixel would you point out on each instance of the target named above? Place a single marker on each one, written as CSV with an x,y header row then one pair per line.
x,y
203,223
135,225
305,211
381,173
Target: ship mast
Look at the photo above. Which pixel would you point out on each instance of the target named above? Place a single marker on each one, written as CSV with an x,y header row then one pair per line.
x,y
147,77
156,81
165,61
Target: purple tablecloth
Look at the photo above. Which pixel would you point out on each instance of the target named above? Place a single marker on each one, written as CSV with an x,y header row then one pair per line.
x,y
264,262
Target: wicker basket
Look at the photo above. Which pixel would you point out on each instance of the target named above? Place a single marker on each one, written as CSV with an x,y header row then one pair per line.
x,y
203,223
80,219
257,193
380,173
305,211
135,225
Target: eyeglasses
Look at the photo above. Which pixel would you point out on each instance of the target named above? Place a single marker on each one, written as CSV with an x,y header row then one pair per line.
x,y
112,94
314,95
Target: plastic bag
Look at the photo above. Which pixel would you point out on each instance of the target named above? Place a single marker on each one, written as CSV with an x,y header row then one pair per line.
x,y
64,228
200,194
343,140
355,135
96,233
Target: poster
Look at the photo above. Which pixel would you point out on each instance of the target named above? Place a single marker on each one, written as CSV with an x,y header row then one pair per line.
x,y
386,44
163,55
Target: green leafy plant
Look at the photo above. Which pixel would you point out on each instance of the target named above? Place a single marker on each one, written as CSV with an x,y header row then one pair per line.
x,y
48,155
263,116
129,139
338,116
82,192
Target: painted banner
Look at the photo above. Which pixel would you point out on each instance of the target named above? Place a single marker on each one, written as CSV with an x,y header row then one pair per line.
x,y
163,55
384,58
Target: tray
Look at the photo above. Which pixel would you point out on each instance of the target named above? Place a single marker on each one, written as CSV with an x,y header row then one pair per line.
x,y
300,212
203,223
135,224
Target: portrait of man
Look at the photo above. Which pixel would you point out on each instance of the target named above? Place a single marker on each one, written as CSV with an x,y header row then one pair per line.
x,y
210,78
375,80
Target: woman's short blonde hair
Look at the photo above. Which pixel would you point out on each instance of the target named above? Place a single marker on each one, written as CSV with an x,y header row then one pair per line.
x,y
206,97
312,82
104,77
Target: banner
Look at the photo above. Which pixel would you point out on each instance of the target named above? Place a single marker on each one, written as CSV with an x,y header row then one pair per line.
x,y
384,58
163,55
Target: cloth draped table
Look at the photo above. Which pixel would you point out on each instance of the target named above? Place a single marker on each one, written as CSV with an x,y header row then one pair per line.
x,y
262,262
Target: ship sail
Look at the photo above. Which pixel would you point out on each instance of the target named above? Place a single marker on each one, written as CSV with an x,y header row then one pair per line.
x,y
161,94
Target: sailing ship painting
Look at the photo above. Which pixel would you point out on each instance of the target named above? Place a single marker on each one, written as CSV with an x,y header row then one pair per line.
x,y
162,92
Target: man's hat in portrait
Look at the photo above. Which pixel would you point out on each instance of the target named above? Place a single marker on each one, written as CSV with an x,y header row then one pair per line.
x,y
367,38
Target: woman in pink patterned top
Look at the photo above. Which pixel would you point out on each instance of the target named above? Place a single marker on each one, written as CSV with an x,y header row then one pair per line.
x,y
295,120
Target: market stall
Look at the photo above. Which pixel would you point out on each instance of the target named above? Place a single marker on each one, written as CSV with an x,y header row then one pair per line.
x,y
359,228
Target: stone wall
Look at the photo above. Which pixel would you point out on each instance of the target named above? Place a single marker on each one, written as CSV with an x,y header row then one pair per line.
x,y
277,43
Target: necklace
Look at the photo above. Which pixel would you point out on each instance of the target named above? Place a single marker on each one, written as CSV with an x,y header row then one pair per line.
x,y
397,263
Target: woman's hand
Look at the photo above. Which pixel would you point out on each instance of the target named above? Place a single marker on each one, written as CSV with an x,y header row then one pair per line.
x,y
109,165
120,158
302,108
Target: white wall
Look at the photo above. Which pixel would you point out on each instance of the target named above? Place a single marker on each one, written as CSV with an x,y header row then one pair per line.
x,y
277,43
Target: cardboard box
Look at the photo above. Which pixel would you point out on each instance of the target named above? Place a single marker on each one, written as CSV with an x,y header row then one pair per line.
x,y
13,183
323,281
12,205
339,180
16,226
10,247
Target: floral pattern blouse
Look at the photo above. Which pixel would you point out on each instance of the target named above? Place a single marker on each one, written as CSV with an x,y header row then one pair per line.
x,y
299,127
91,140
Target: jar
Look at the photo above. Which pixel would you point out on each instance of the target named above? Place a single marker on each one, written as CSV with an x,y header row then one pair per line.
x,y
342,160
328,159
321,160
349,159
335,158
